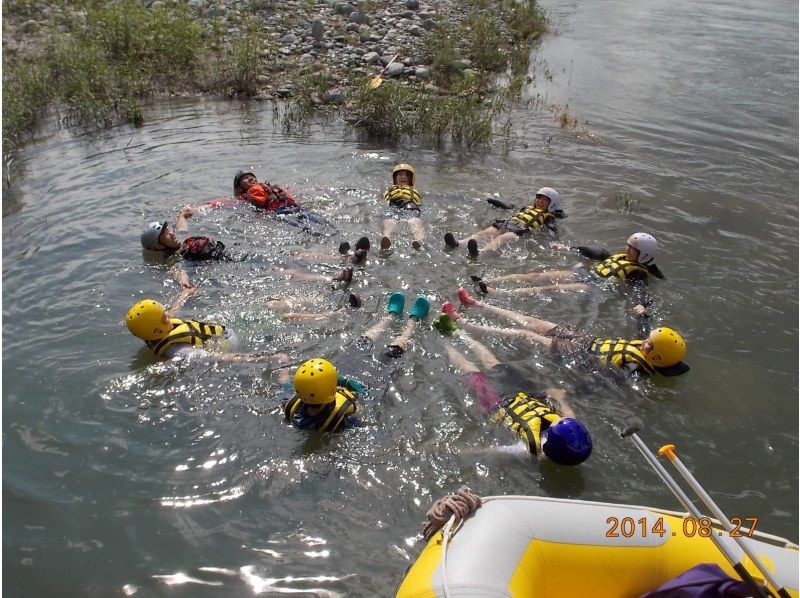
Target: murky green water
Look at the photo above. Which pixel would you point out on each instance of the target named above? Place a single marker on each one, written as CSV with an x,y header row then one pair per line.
x,y
125,475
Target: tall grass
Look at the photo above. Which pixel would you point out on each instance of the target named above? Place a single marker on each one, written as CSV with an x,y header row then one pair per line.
x,y
96,61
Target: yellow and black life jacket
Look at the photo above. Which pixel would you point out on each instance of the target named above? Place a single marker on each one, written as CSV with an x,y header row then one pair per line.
x,y
344,405
618,265
185,332
400,195
528,416
620,352
532,217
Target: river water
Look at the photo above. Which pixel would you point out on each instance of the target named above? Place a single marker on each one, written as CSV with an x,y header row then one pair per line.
x,y
126,476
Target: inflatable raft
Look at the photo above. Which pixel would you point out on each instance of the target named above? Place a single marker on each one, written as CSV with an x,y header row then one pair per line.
x,y
532,546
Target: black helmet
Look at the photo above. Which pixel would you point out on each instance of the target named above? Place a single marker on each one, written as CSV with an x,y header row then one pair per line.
x,y
239,174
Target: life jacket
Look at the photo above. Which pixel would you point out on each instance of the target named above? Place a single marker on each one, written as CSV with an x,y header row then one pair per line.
x,y
400,195
618,265
533,217
268,197
528,416
185,332
620,352
344,404
202,248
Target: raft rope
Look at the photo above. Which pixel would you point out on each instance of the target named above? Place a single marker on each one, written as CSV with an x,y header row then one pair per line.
x,y
460,505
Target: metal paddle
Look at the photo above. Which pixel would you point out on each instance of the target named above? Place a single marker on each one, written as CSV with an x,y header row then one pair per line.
x,y
630,432
668,450
377,80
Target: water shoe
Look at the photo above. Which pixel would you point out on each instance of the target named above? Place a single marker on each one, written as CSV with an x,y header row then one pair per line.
x,y
450,240
421,308
396,303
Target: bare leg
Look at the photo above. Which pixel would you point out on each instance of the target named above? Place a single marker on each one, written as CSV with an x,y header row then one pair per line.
x,y
489,232
499,240
295,274
519,333
553,277
282,306
528,322
304,316
402,339
374,333
572,286
313,256
458,360
417,231
387,230
487,358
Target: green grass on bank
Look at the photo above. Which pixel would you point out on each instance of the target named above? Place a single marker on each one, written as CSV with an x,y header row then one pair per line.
x,y
95,61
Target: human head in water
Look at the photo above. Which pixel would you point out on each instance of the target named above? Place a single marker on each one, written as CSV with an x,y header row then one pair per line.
x,y
548,199
242,181
315,381
404,174
641,248
567,442
664,347
158,237
148,320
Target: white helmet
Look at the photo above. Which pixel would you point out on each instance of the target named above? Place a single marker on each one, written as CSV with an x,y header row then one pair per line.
x,y
552,195
151,234
647,246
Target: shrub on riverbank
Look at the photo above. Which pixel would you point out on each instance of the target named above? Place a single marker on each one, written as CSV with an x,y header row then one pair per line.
x,y
94,61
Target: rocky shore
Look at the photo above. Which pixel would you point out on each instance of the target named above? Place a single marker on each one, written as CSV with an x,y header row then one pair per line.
x,y
321,54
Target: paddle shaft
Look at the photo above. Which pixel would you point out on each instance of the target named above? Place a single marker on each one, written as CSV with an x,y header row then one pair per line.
x,y
693,510
669,451
376,80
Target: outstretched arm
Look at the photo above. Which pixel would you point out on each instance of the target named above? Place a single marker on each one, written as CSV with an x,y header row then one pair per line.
x,y
187,291
641,292
642,321
593,253
181,226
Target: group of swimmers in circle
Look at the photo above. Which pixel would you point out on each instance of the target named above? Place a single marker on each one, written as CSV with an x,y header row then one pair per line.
x,y
319,397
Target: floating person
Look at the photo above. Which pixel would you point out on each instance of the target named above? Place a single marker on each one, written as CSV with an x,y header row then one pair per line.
x,y
275,199
327,401
404,203
158,237
541,214
323,399
168,336
635,265
543,420
658,351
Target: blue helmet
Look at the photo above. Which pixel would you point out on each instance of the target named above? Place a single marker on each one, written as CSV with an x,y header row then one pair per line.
x,y
567,442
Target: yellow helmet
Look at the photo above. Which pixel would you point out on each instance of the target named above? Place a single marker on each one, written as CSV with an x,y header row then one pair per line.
x,y
407,167
315,381
668,347
146,320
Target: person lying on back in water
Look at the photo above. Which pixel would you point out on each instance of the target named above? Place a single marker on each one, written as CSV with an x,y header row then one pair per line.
x,y
544,421
403,203
323,399
541,214
658,351
635,265
158,237
274,199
